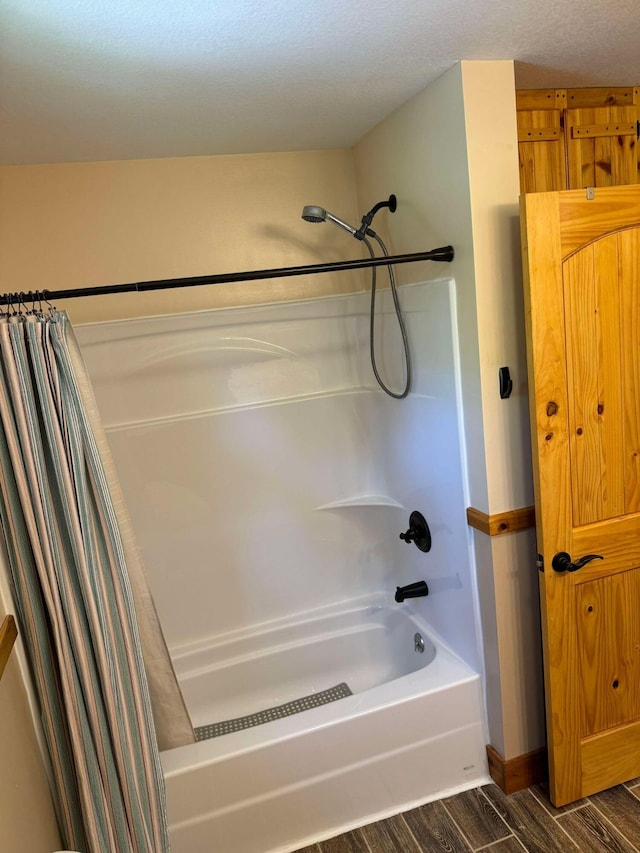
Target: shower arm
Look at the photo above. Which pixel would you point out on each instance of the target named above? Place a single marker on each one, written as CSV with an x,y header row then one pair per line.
x,y
444,253
364,230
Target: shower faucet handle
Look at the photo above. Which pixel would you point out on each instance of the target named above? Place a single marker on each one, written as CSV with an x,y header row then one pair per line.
x,y
409,536
418,532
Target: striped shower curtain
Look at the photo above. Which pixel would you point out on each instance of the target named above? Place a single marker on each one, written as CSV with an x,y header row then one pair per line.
x,y
85,614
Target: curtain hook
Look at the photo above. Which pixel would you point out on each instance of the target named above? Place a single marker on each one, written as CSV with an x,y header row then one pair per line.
x,y
36,312
22,305
52,308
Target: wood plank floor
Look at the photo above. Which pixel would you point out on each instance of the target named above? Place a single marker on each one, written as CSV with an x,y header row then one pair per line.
x,y
484,819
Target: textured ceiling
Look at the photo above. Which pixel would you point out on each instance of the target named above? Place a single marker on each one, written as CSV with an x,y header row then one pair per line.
x,y
114,79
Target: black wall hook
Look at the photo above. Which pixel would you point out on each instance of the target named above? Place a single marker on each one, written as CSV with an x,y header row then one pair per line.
x,y
506,383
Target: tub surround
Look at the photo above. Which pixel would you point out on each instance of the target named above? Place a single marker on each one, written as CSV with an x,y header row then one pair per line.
x,y
286,479
285,476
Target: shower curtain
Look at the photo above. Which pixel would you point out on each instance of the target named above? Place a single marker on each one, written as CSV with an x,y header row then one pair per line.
x,y
85,614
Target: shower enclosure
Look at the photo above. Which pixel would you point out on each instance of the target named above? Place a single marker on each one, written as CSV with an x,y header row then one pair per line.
x,y
269,480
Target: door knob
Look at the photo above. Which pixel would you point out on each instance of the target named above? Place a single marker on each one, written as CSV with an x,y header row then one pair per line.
x,y
562,562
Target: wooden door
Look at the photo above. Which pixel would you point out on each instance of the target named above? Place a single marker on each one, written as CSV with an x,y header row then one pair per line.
x,y
582,283
601,133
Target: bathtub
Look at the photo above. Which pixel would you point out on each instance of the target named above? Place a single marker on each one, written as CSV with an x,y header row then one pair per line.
x,y
410,732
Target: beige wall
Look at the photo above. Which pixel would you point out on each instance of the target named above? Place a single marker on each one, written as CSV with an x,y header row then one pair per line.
x,y
450,154
492,156
27,822
489,101
80,224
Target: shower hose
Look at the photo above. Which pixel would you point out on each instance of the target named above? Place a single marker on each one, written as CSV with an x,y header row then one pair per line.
x,y
403,331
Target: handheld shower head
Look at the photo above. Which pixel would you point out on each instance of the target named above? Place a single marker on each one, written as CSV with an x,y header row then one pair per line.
x,y
313,213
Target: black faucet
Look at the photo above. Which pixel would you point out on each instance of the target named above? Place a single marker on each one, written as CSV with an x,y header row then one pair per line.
x,y
413,590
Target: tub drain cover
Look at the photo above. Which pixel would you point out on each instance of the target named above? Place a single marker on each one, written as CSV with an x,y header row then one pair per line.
x,y
340,691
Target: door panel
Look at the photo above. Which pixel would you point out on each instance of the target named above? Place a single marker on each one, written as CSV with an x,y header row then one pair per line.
x,y
592,318
582,282
541,150
609,648
541,147
601,146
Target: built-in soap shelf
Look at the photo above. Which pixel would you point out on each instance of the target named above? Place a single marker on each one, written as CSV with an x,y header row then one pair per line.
x,y
362,500
8,634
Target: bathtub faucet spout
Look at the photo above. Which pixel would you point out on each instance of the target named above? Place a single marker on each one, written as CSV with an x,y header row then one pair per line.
x,y
413,590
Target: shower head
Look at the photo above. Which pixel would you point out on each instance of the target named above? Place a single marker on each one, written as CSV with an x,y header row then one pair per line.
x,y
313,213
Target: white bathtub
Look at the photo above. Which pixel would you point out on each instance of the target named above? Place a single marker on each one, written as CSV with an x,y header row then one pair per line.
x,y
410,732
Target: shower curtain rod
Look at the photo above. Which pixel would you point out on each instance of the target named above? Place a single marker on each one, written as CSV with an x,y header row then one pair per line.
x,y
444,253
